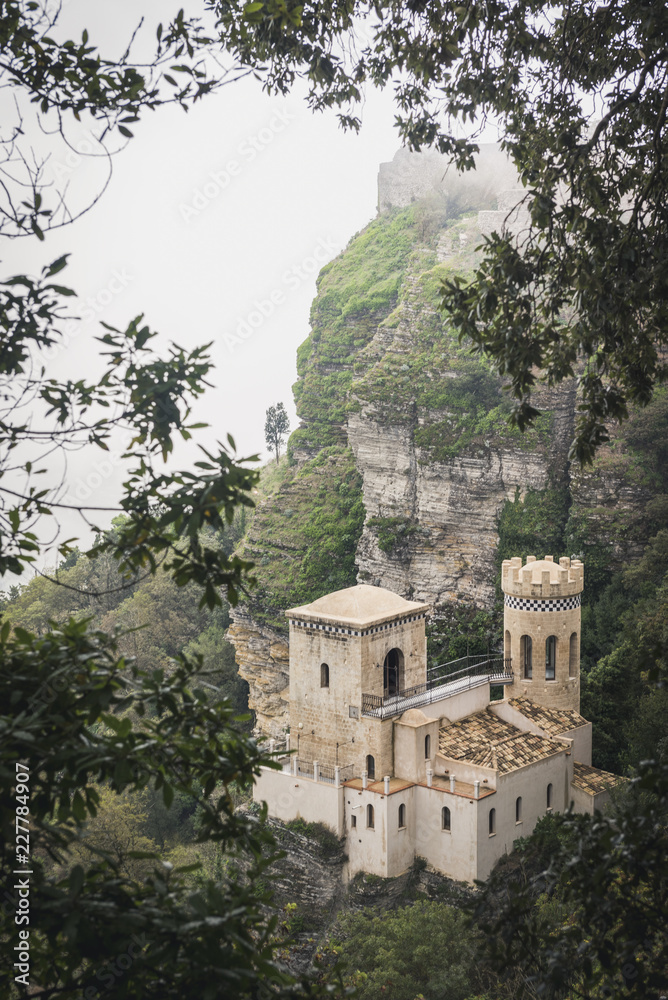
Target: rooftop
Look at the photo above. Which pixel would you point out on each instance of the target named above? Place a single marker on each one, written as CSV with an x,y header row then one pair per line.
x,y
553,721
358,606
488,741
592,780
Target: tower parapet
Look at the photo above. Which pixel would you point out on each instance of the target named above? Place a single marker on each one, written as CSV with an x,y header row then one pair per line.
x,y
542,579
542,601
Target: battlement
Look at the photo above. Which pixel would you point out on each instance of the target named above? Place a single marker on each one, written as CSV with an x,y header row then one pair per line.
x,y
542,578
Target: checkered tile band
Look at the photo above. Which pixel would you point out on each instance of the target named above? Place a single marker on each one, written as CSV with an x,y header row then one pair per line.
x,y
316,626
535,604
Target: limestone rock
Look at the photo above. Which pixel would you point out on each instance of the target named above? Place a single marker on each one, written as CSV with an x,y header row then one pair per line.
x,y
262,656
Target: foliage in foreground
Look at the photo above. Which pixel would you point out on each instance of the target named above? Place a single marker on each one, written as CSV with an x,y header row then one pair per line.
x,y
599,930
78,716
423,949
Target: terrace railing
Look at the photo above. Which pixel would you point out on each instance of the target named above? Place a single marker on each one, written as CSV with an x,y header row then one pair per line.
x,y
442,682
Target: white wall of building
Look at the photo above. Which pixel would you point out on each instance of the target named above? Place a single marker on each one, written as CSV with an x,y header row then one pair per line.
x,y
453,852
291,797
529,782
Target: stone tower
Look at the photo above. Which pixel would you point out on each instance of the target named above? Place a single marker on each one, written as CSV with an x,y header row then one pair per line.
x,y
357,642
541,621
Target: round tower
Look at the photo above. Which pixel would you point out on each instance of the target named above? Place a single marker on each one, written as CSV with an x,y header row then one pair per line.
x,y
541,621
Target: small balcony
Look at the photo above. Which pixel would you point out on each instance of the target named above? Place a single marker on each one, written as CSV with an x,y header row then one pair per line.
x,y
442,682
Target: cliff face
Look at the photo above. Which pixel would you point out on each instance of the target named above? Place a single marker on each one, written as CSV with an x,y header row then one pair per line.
x,y
404,472
262,655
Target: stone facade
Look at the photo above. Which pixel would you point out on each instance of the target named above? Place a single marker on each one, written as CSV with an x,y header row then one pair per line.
x,y
401,766
338,652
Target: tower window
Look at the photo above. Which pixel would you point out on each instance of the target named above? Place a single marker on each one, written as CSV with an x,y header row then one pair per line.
x,y
518,809
550,657
507,645
353,820
445,818
549,796
370,768
324,675
369,817
427,747
393,672
492,822
402,816
573,655
526,656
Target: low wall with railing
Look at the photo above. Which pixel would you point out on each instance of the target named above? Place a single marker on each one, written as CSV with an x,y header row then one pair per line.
x,y
304,790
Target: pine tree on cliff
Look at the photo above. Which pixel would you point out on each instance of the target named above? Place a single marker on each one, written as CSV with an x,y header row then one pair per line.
x,y
276,426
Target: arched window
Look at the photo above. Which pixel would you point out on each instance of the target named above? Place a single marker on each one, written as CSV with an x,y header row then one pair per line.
x,y
427,747
550,657
369,817
370,768
573,658
549,796
526,656
324,675
492,822
393,672
402,816
518,809
507,645
445,818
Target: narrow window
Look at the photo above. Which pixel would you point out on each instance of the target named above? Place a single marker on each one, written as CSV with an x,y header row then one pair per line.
x,y
445,818
353,820
507,645
492,822
549,796
324,675
402,816
518,809
393,672
370,768
525,654
427,747
550,657
573,657
369,817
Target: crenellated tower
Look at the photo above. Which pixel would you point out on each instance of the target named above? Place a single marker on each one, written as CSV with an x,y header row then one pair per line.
x,y
542,603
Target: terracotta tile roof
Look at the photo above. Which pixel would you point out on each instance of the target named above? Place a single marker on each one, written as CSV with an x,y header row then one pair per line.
x,y
486,740
552,720
591,780
474,733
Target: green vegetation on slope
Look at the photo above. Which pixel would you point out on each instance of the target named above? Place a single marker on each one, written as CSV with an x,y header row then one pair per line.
x,y
156,620
304,533
356,291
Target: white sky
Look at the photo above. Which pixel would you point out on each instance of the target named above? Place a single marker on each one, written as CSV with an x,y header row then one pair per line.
x,y
197,255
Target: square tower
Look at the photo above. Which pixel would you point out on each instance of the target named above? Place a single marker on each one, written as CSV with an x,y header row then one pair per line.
x,y
358,641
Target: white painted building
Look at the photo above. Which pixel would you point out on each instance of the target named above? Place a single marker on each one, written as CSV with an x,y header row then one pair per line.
x,y
405,764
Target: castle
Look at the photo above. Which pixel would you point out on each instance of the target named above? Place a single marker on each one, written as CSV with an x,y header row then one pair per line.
x,y
403,761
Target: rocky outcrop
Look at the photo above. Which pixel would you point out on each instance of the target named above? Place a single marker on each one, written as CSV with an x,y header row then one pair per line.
x,y
454,506
262,656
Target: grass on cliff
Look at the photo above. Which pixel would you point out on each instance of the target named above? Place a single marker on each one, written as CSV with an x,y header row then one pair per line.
x,y
356,291
304,533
